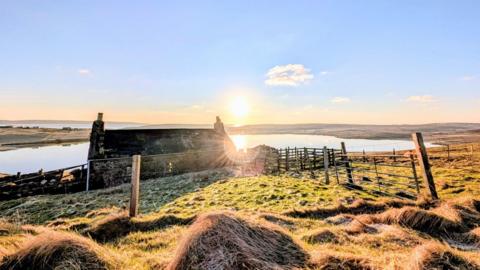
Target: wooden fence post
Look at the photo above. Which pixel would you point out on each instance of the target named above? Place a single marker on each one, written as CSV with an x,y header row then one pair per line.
x,y
306,158
414,171
335,165
296,159
287,153
325,164
424,164
347,163
394,155
135,185
279,157
448,151
376,174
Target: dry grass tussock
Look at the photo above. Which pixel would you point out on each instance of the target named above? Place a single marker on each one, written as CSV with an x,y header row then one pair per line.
x,y
340,262
436,256
285,222
118,225
465,211
359,206
452,221
58,250
358,227
225,241
7,228
322,236
417,219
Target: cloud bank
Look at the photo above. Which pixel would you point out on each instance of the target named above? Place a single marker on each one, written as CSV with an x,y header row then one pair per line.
x,y
339,100
288,75
84,72
421,99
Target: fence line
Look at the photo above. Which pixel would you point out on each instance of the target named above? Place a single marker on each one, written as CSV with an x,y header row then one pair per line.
x,y
391,174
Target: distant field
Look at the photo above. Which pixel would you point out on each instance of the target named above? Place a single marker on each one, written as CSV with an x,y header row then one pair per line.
x,y
13,138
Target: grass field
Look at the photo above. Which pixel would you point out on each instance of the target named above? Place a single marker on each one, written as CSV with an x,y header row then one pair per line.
x,y
334,227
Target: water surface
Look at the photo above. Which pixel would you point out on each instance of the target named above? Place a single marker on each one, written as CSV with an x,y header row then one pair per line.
x,y
53,157
318,141
27,160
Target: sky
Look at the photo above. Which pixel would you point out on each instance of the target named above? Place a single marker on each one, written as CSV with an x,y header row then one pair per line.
x,y
250,62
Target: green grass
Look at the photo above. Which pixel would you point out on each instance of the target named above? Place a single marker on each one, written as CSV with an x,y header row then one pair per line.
x,y
196,193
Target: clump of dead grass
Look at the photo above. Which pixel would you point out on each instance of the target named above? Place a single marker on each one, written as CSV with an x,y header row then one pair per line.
x,y
322,236
340,262
279,220
58,250
358,227
225,241
465,211
359,206
388,237
436,256
7,228
417,219
118,225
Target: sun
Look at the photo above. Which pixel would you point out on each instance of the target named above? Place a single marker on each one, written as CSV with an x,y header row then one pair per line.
x,y
240,107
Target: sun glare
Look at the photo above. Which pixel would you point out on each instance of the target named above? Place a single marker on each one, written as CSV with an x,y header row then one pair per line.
x,y
239,107
240,142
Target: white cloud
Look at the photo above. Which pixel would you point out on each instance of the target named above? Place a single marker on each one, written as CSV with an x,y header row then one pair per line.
x,y
468,78
421,99
84,72
340,100
197,107
288,75
325,72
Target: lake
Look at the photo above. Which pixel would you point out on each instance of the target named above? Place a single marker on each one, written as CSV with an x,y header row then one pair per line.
x,y
27,160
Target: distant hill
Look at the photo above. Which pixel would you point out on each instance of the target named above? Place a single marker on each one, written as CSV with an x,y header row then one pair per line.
x,y
167,126
439,132
65,123
352,131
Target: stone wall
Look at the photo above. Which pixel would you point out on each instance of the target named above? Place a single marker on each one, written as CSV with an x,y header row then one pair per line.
x,y
52,182
110,172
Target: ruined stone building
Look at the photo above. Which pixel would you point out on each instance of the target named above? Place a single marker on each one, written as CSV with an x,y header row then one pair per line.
x,y
163,151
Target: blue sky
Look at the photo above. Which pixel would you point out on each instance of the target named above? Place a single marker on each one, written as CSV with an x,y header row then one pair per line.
x,y
286,61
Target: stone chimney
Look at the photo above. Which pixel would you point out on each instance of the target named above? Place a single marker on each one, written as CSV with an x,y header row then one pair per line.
x,y
218,126
97,137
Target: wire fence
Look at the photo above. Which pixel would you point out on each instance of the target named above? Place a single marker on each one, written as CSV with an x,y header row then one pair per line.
x,y
385,175
380,174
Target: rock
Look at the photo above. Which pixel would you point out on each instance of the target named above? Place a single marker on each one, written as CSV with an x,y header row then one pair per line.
x,y
43,182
